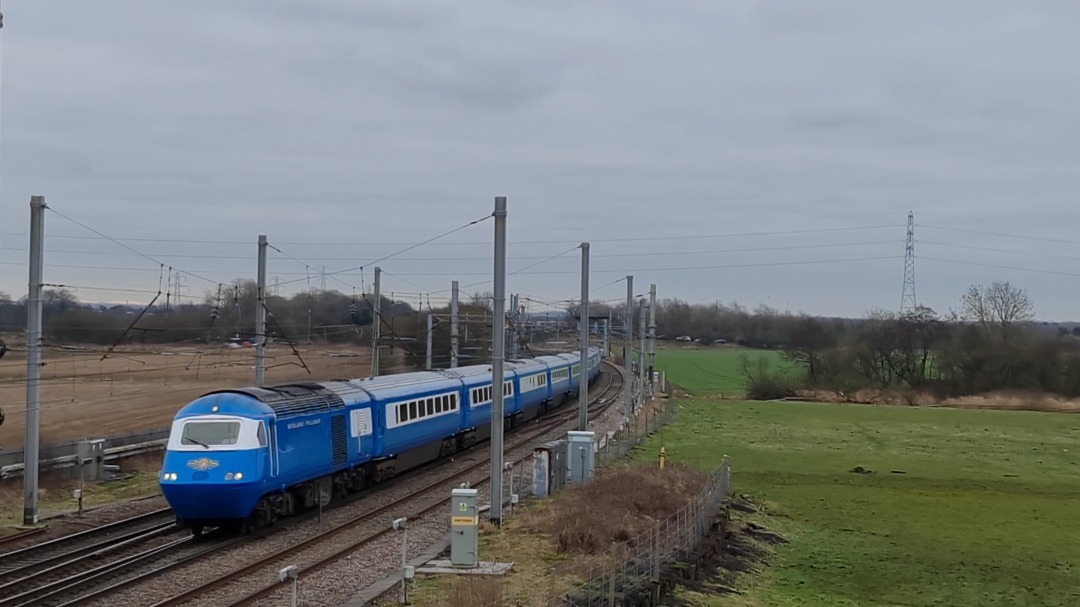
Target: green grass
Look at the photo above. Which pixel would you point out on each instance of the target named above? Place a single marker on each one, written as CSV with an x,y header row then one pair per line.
x,y
987,511
57,498
711,370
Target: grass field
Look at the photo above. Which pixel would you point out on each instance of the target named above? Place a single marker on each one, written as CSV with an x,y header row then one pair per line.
x,y
982,508
711,370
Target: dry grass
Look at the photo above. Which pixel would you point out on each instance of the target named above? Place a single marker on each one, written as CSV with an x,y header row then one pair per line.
x,y
634,499
1016,400
1010,400
556,543
475,591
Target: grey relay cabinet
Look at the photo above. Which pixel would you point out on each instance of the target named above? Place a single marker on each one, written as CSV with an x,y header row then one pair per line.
x,y
464,529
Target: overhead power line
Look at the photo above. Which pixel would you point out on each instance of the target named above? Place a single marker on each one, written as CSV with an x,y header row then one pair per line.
x,y
1001,234
310,260
1001,267
405,250
996,250
676,268
355,243
129,248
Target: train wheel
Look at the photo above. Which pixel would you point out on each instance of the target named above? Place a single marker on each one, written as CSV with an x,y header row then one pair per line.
x,y
263,516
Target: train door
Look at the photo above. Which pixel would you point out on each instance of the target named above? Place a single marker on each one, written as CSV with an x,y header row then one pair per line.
x,y
275,469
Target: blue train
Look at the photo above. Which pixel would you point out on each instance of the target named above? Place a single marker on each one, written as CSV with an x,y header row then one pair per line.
x,y
250,456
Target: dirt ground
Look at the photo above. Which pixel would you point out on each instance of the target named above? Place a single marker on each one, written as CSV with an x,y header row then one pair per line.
x,y
140,389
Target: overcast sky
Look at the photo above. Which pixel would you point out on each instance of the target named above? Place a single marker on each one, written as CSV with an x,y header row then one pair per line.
x,y
758,152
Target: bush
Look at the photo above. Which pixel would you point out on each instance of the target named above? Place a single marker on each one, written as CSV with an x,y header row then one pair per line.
x,y
770,386
764,382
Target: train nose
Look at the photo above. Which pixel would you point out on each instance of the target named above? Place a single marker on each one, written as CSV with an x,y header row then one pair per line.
x,y
225,485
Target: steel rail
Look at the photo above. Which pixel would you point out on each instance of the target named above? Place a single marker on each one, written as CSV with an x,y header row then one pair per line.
x,y
25,533
35,549
65,560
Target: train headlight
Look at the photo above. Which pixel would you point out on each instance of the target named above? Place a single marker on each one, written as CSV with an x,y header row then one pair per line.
x,y
228,476
172,477
168,476
239,475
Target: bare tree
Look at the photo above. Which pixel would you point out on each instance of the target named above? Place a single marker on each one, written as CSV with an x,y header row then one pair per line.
x,y
809,340
997,308
482,300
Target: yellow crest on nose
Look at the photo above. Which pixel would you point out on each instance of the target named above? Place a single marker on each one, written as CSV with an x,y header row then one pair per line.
x,y
203,463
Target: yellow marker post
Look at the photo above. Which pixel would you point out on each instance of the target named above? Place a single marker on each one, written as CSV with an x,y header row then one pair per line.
x,y
663,457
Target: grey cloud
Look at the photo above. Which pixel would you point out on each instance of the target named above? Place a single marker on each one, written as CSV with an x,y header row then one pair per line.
x,y
392,122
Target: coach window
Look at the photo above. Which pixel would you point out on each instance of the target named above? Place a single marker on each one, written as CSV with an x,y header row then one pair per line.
x,y
431,406
412,410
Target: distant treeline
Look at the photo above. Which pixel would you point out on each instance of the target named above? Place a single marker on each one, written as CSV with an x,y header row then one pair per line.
x,y
989,344
316,317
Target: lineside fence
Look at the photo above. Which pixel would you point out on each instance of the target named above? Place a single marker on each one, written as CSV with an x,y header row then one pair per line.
x,y
631,573
616,445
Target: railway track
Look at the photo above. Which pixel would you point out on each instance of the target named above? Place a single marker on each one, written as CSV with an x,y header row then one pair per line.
x,y
21,535
26,573
328,546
